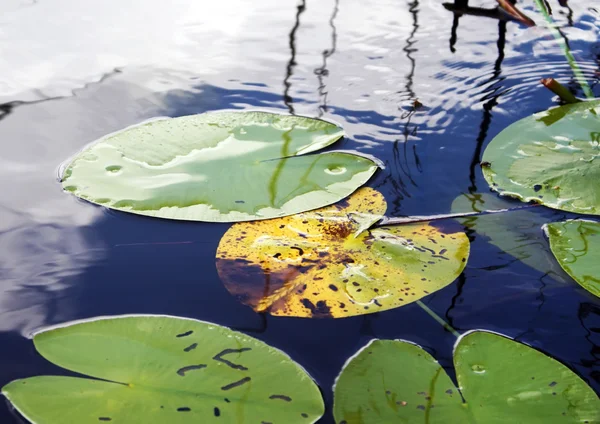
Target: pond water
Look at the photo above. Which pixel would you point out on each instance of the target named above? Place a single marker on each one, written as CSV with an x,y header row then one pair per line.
x,y
73,71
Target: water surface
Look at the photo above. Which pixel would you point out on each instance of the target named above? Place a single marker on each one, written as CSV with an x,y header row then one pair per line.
x,y
74,71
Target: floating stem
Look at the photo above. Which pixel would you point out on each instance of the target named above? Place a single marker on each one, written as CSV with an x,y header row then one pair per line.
x,y
386,221
438,319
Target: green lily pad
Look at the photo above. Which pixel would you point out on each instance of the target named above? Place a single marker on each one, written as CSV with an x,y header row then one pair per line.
x,y
576,244
219,167
157,369
327,263
552,158
500,380
517,233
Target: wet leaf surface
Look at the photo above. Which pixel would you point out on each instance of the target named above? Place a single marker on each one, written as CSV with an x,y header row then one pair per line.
x,y
324,263
219,166
159,369
500,380
552,158
575,245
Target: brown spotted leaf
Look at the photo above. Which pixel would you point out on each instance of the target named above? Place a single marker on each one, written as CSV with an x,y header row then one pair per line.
x,y
326,263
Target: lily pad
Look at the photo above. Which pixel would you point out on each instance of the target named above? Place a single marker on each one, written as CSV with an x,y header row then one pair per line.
x,y
157,369
500,380
575,244
219,167
552,158
328,263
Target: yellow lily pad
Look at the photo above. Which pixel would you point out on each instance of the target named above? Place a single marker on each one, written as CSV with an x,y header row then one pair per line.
x,y
328,263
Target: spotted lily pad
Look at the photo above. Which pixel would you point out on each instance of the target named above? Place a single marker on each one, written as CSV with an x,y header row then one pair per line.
x,y
552,158
220,167
575,244
157,369
500,380
328,263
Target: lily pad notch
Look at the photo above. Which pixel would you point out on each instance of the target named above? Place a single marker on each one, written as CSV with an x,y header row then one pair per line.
x,y
146,369
218,167
500,381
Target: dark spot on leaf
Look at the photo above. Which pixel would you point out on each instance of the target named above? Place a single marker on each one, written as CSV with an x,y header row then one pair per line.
x,y
282,397
104,419
227,400
276,255
300,251
422,407
239,201
552,384
187,333
320,310
304,415
182,371
219,357
183,409
191,347
236,383
537,187
333,287
217,412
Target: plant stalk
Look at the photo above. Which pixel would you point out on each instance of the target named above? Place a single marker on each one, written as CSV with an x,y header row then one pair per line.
x,y
567,52
439,319
560,90
386,221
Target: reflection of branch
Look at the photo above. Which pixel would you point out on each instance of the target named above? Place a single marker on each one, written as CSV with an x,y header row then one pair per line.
x,y
488,106
409,48
289,70
462,9
504,12
457,4
322,71
509,7
7,108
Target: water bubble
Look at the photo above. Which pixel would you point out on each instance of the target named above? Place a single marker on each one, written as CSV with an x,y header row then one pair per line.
x,y
479,369
335,170
113,169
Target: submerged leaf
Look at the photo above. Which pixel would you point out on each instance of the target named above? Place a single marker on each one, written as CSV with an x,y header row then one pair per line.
x,y
552,158
516,233
322,264
576,244
501,381
159,369
220,166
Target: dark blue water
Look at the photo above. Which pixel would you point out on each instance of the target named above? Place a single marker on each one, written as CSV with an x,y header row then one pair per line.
x,y
73,71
